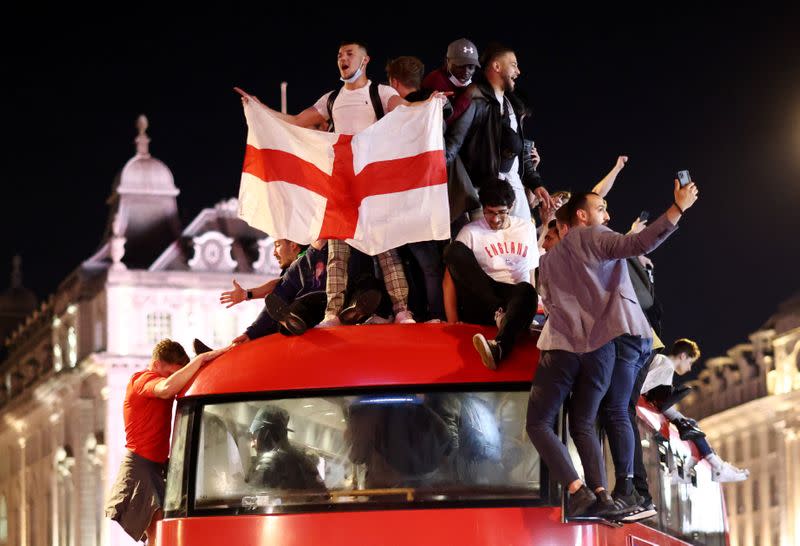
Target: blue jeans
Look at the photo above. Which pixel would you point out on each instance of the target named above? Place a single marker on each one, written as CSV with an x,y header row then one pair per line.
x,y
587,376
631,354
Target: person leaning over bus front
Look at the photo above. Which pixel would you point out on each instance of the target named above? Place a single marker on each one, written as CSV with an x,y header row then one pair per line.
x,y
138,493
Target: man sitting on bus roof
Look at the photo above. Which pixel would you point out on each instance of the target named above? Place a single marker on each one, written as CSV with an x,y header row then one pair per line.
x,y
298,300
490,273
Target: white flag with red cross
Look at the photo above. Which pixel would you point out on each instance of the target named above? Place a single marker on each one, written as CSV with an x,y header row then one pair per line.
x,y
379,189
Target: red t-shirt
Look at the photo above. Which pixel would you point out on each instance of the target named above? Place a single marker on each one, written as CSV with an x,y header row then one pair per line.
x,y
147,418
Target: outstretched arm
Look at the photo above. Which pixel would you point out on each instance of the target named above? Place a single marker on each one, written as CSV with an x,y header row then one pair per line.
x,y
612,245
604,186
309,117
239,294
172,385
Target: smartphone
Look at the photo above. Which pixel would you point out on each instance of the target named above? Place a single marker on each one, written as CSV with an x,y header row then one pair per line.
x,y
683,177
644,215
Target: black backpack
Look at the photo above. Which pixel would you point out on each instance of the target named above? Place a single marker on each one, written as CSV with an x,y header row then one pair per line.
x,y
374,96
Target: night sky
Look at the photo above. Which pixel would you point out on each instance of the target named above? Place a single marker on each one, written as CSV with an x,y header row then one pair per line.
x,y
715,92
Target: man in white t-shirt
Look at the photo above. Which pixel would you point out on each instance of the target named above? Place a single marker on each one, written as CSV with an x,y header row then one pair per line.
x,y
352,111
490,273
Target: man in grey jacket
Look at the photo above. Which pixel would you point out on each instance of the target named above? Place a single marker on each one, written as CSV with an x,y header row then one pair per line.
x,y
595,333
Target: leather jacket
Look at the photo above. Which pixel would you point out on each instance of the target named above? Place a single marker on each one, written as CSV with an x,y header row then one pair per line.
x,y
476,137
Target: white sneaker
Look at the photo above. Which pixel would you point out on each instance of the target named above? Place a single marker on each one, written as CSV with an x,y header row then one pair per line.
x,y
376,319
498,316
434,321
329,322
404,317
729,473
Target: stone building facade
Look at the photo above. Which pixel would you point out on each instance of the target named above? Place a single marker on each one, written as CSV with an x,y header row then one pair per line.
x,y
65,362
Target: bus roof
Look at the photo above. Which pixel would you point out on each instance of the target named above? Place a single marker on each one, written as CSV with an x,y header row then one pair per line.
x,y
362,356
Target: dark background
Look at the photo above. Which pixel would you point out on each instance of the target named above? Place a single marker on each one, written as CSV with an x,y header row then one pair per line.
x,y
715,91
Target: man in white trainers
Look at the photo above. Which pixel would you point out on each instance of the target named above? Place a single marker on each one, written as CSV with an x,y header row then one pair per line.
x,y
658,389
490,273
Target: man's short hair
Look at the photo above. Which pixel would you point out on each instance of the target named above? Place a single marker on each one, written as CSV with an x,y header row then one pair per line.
x,y
569,210
552,224
496,193
170,352
359,43
685,346
407,70
492,52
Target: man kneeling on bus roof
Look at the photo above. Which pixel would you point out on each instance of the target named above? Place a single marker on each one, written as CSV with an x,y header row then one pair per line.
x,y
490,273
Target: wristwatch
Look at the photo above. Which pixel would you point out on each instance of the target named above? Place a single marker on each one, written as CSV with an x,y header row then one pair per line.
x,y
249,294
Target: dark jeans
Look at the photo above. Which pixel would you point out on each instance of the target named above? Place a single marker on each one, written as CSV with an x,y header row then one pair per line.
x,y
428,256
310,307
631,354
587,376
479,296
703,447
639,471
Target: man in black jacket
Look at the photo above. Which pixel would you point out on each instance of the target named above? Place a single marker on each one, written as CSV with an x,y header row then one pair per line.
x,y
488,136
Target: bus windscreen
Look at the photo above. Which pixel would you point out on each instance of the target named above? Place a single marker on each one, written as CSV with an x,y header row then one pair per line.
x,y
257,456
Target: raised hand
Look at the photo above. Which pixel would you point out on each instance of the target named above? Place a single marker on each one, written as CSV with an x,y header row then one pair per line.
x,y
685,196
232,297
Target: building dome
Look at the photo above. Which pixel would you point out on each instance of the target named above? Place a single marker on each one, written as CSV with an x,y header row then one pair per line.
x,y
143,173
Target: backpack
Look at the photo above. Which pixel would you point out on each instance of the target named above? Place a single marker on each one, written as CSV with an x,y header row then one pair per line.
x,y
374,96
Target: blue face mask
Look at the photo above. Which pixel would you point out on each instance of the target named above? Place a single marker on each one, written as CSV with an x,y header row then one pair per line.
x,y
356,74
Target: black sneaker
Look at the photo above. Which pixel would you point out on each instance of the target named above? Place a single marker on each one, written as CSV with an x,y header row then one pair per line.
x,y
606,507
280,313
364,305
646,509
200,347
489,351
580,502
626,504
688,430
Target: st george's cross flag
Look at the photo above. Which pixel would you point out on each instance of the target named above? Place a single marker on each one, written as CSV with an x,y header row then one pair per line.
x,y
379,189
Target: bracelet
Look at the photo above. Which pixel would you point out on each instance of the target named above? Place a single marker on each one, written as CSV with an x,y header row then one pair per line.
x,y
677,206
249,294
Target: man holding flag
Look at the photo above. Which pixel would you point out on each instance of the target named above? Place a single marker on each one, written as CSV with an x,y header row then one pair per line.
x,y
371,187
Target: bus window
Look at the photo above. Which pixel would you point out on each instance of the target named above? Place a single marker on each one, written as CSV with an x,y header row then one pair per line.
x,y
689,501
271,455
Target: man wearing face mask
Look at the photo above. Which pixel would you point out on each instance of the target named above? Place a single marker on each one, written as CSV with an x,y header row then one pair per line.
x,y
350,109
455,76
488,136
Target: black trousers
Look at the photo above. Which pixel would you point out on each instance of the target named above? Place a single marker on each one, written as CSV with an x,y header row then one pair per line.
x,y
479,296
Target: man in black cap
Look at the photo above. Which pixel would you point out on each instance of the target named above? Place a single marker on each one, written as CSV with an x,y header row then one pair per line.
x,y
455,75
278,464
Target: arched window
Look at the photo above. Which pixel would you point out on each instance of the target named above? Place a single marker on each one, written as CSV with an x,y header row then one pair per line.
x,y
3,520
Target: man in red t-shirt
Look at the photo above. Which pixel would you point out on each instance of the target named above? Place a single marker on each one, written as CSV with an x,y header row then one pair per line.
x,y
138,494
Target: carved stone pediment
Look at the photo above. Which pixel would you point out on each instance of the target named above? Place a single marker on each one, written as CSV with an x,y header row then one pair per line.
x,y
212,252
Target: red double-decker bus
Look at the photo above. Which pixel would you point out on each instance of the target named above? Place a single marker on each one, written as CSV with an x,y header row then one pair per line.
x,y
393,434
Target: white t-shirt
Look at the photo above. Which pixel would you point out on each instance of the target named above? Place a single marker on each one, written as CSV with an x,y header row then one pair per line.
x,y
352,109
660,373
521,209
506,255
